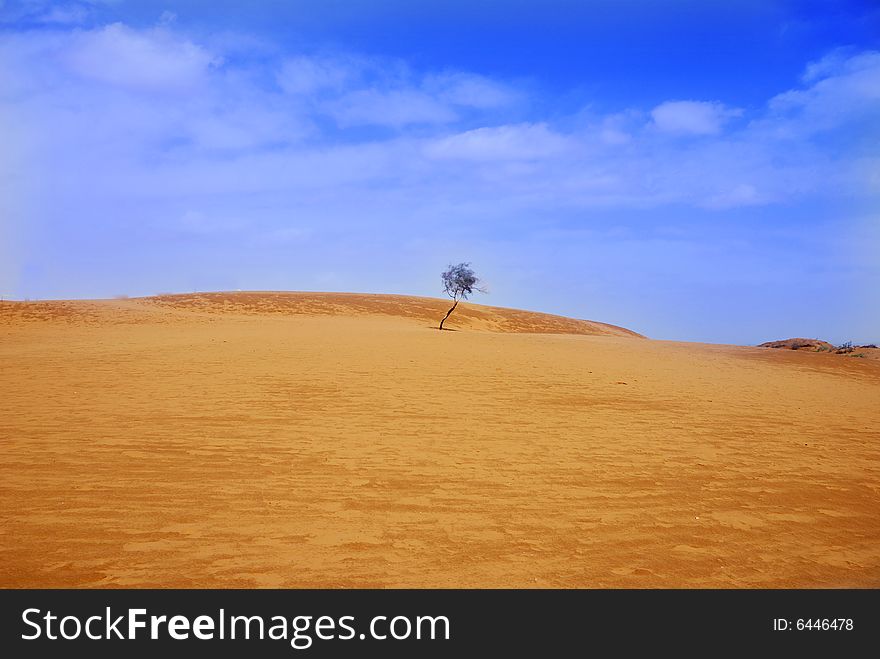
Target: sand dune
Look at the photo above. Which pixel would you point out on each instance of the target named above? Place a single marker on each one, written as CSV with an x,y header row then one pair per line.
x,y
293,440
428,310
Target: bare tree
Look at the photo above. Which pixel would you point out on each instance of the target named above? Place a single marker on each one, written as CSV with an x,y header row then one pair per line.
x,y
459,281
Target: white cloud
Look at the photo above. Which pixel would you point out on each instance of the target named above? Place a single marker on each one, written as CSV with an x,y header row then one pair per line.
x,y
612,135
242,126
167,18
470,90
246,174
395,108
152,60
618,129
102,129
72,14
45,12
842,91
360,91
743,194
512,142
827,66
692,117
309,75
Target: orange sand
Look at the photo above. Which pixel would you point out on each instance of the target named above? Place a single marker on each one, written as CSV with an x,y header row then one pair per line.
x,y
293,440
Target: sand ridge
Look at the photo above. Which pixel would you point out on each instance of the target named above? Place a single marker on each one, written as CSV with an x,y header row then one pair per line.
x,y
273,303
213,440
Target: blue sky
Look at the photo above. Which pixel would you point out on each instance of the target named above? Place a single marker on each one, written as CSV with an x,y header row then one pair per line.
x,y
699,171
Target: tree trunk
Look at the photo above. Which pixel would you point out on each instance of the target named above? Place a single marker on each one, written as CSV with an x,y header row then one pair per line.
x,y
452,308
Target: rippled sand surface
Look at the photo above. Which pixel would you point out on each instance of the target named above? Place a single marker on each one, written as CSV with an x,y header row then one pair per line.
x,y
330,440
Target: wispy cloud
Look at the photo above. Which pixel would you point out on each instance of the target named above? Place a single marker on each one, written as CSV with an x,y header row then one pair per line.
x,y
49,12
692,117
839,92
153,60
511,142
307,76
361,91
155,132
101,96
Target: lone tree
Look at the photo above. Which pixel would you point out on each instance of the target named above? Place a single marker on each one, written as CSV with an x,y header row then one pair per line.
x,y
459,281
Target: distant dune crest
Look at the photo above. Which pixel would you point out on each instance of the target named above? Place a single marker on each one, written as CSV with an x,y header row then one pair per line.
x,y
422,309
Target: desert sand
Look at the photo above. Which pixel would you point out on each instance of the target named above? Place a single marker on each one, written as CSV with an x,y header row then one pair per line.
x,y
331,440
